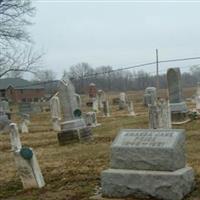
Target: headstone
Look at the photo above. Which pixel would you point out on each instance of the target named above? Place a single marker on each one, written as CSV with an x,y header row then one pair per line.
x,y
95,107
92,90
36,107
55,113
91,119
26,162
150,96
106,110
101,97
73,121
160,115
178,106
4,121
130,108
148,163
197,97
122,101
25,123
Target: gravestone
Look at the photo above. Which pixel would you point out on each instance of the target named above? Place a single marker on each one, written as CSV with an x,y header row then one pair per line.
x,y
92,90
4,121
160,115
130,108
25,123
95,107
26,162
91,119
150,96
122,100
73,125
178,106
148,163
101,97
197,97
106,110
55,113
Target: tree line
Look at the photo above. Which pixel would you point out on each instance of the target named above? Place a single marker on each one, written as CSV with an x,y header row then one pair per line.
x,y
125,80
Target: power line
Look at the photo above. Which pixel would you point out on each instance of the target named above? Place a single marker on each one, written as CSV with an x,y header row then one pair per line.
x,y
139,65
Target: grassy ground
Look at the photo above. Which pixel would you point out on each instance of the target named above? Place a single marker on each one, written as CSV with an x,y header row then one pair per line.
x,y
72,172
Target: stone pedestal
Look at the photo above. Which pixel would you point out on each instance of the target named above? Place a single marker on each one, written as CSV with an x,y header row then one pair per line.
x,y
148,163
143,184
74,135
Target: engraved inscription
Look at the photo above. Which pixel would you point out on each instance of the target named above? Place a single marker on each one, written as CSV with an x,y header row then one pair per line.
x,y
146,139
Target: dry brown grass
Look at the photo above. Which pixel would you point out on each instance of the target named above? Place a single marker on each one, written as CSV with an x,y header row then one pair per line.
x,y
73,171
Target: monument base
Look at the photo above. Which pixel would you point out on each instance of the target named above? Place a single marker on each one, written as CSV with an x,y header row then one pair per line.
x,y
73,124
164,185
179,111
74,135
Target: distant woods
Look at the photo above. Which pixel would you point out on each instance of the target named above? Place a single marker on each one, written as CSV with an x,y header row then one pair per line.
x,y
122,80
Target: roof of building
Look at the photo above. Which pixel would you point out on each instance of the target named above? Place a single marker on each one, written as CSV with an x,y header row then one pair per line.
x,y
18,83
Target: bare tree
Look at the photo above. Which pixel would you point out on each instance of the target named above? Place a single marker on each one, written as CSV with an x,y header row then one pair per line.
x,y
45,75
16,55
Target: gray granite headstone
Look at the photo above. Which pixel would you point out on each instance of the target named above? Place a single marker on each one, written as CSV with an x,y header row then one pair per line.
x,y
148,149
175,90
148,163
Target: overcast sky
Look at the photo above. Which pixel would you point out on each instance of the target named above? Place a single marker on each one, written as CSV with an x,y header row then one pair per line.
x,y
119,34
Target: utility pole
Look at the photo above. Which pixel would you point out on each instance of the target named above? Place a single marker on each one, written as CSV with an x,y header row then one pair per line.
x,y
157,72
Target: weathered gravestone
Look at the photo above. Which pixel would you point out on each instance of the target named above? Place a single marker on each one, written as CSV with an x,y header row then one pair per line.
x,y
91,119
130,108
26,162
74,126
150,96
122,101
160,115
106,109
197,98
4,122
148,163
55,113
25,123
178,106
101,97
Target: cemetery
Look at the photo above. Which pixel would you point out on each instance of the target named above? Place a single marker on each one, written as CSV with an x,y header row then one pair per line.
x,y
73,151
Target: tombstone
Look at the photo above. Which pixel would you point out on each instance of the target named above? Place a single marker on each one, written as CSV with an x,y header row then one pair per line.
x,y
150,96
26,162
4,121
73,127
55,113
36,107
25,123
91,119
106,110
4,106
122,101
101,97
160,115
130,108
197,97
148,163
178,106
95,106
92,91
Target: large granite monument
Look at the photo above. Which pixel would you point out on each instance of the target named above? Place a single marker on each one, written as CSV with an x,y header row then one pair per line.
x,y
148,163
178,106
